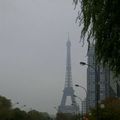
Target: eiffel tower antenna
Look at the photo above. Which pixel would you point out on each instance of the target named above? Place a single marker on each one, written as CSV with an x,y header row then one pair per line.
x,y
68,36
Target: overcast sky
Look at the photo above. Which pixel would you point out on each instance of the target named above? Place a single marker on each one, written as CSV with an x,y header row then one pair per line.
x,y
33,35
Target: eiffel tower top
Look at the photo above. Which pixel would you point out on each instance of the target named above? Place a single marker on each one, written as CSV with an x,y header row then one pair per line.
x,y
68,77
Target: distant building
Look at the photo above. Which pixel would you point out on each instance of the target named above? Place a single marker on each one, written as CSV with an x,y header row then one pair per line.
x,y
91,79
83,107
109,86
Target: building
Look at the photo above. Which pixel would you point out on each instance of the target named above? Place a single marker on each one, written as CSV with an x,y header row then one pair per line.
x,y
91,79
109,86
83,107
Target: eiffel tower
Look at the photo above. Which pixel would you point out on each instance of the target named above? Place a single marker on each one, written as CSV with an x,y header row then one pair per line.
x,y
68,89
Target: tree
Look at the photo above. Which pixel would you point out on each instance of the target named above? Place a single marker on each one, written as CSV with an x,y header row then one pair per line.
x,y
8,113
5,103
111,111
101,24
5,107
67,116
17,114
35,115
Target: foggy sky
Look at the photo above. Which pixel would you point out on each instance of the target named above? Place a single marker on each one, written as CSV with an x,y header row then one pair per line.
x,y
33,35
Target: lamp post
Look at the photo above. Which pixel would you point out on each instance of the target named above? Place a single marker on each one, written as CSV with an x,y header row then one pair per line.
x,y
23,106
74,102
56,108
96,87
81,105
13,105
81,87
85,92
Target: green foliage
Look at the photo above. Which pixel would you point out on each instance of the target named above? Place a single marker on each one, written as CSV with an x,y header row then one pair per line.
x,y
35,115
8,113
67,116
5,106
111,111
4,103
17,114
101,24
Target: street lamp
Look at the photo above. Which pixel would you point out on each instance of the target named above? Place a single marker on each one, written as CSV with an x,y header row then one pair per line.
x,y
56,108
75,103
85,92
13,105
96,87
83,63
23,106
81,104
81,87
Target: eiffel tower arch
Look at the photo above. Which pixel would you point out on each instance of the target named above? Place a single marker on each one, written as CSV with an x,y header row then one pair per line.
x,y
68,89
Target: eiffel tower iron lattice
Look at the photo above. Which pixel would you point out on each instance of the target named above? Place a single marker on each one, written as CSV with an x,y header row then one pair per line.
x,y
68,89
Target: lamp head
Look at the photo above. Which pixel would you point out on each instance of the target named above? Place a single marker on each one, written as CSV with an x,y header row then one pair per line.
x,y
76,85
74,96
82,63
